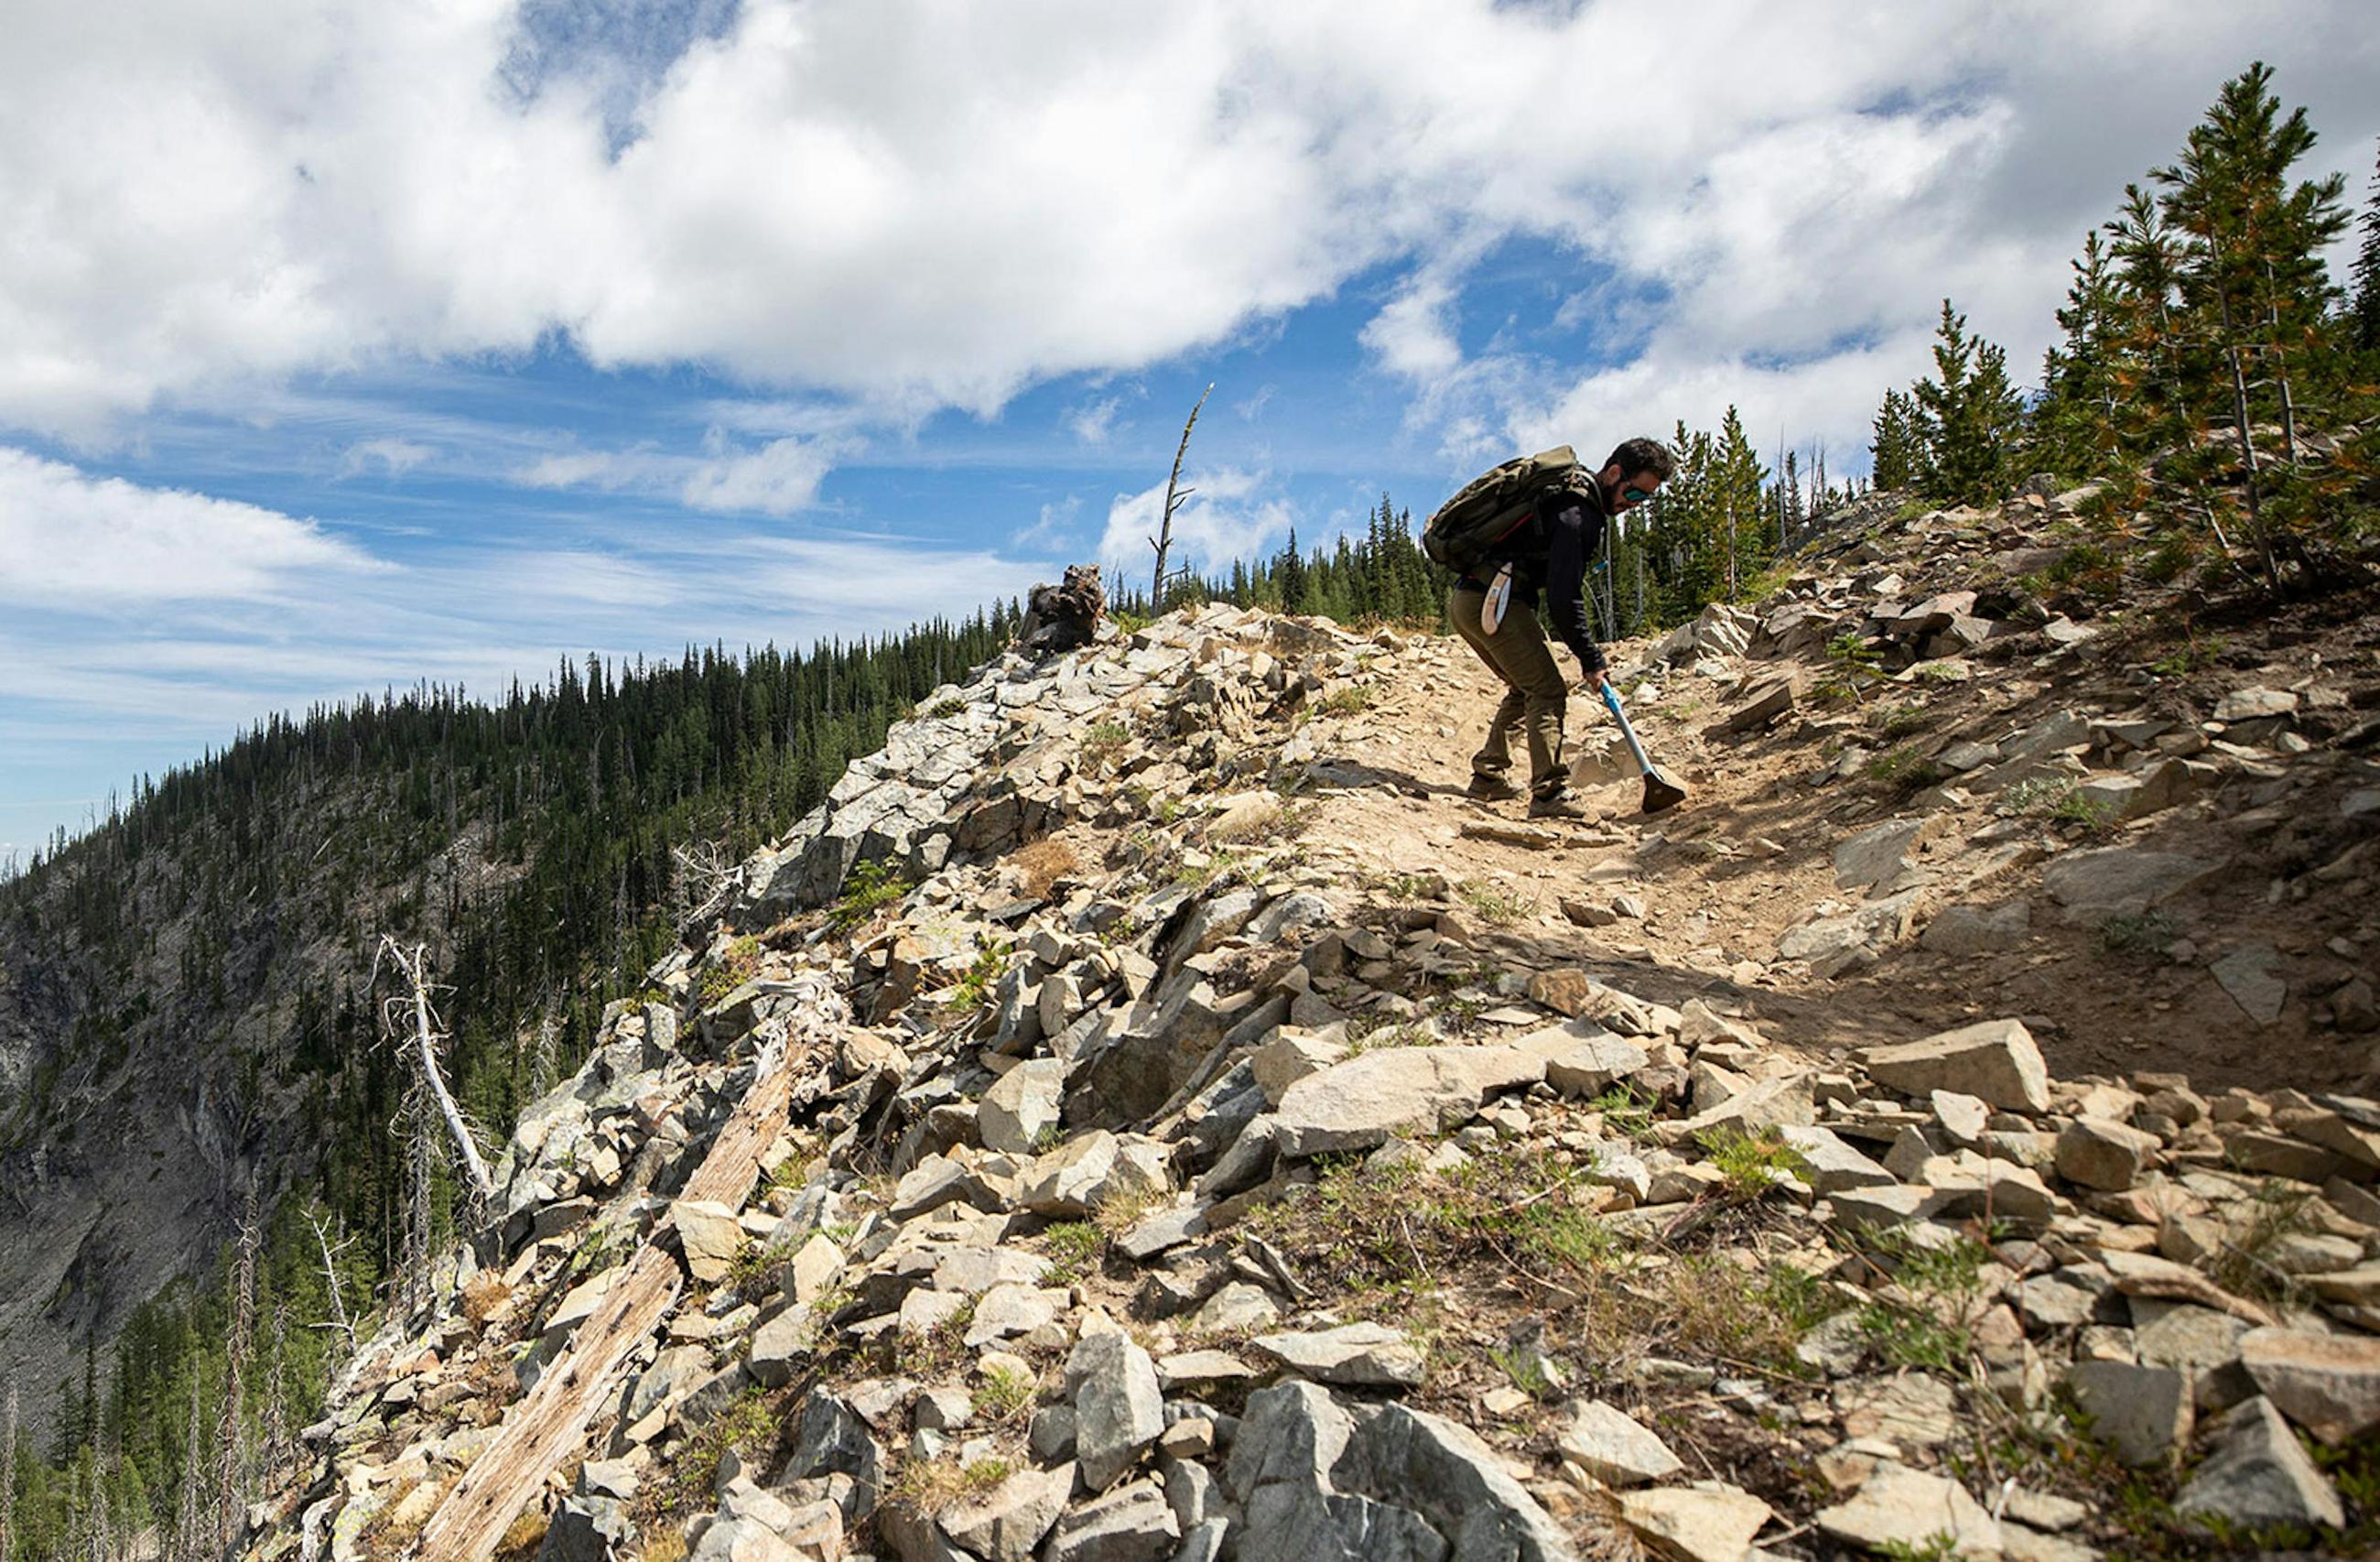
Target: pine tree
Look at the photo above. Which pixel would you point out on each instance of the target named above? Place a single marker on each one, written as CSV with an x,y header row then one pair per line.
x,y
2076,422
2366,314
1895,447
1293,577
2253,280
1968,419
1743,525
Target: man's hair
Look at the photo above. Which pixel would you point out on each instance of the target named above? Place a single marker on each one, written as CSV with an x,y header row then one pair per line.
x,y
1641,455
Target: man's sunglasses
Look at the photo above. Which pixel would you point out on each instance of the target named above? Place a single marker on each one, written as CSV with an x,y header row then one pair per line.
x,y
1634,495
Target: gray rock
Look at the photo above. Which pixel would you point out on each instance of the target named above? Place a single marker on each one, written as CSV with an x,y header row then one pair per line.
x,y
2144,1412
1963,930
1363,1102
1354,1354
831,1439
1456,1482
2095,884
1129,1524
1088,1171
1021,1106
1613,1447
1995,1059
1876,855
1899,1507
587,1528
1829,1164
2258,1475
1005,1523
2244,975
2102,1154
1119,1410
1705,1522
2327,1384
779,1345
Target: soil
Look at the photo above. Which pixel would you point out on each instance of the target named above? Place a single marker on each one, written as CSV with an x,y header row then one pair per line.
x,y
1750,855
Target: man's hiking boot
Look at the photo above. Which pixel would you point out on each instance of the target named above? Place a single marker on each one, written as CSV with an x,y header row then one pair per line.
x,y
1556,805
1491,789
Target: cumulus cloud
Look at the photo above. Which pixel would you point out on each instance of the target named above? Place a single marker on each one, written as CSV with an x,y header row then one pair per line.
x,y
1226,517
778,479
896,200
68,537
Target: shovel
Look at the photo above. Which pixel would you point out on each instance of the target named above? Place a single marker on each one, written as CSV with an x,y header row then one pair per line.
x,y
1660,792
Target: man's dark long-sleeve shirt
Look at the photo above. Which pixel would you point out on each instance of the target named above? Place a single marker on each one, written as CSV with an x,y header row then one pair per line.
x,y
1550,554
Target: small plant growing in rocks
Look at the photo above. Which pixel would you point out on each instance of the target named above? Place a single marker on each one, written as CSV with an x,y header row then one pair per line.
x,y
1852,664
2092,816
1752,1164
1903,770
1006,1394
1074,1247
868,887
2143,934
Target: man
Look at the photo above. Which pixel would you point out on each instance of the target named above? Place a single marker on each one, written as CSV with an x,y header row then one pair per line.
x,y
1549,554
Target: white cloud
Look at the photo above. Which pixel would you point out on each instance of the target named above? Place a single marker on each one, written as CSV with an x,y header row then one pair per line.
x,y
1411,336
778,479
1224,519
68,537
395,457
901,202
1055,522
1094,421
774,478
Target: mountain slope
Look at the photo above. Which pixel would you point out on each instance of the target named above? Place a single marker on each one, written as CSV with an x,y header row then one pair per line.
x,y
1244,1145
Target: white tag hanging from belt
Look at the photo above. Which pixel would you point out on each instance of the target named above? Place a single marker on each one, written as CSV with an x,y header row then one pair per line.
x,y
1491,606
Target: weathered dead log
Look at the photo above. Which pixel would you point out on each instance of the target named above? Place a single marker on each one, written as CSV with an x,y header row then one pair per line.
x,y
551,1421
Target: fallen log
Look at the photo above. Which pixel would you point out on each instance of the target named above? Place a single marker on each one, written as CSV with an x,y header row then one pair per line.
x,y
551,1421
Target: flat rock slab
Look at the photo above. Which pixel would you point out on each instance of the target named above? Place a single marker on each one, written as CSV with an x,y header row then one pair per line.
x,y
1354,1355
1995,1059
1614,1448
2327,1384
2091,884
1365,1101
2144,1412
1705,1522
2246,977
2259,1475
1899,1507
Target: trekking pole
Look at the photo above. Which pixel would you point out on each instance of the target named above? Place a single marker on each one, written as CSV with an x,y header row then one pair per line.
x,y
1660,792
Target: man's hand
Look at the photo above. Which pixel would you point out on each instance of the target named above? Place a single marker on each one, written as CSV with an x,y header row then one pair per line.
x,y
1593,683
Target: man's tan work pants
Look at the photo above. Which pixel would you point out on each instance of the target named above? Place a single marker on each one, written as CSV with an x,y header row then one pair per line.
x,y
1534,696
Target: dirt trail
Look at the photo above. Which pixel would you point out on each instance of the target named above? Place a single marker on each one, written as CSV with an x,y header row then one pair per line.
x,y
1752,855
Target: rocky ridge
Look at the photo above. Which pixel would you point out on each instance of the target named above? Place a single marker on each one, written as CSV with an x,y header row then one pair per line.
x,y
1215,1167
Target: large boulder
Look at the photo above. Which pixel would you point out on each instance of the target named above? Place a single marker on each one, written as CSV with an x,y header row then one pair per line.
x,y
1367,1099
1995,1059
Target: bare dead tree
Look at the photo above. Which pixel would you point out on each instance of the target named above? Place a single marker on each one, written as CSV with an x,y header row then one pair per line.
x,y
187,1545
414,966
707,876
418,1196
331,1252
229,1499
277,1398
1163,541
7,1464
546,1061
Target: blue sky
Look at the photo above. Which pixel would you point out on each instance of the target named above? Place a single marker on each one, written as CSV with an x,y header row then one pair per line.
x,y
342,346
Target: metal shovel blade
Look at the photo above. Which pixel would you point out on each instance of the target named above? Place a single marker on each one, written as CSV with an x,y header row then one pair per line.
x,y
1660,792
